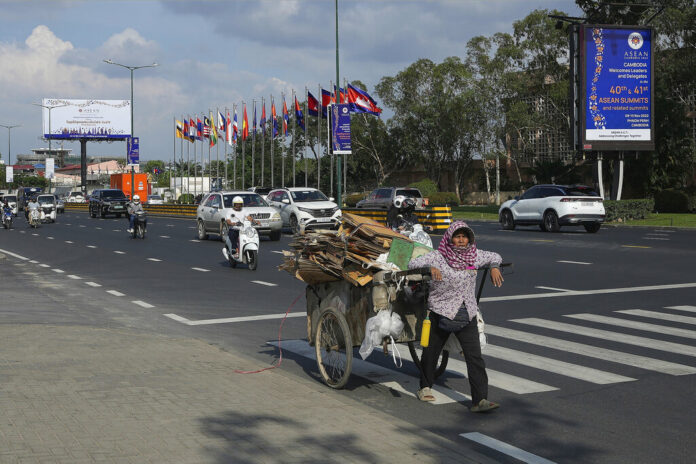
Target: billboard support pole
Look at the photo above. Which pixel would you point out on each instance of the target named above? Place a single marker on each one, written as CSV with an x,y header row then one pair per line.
x,y
600,177
617,183
83,167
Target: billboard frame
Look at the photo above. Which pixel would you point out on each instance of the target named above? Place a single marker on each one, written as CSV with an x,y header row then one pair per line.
x,y
80,136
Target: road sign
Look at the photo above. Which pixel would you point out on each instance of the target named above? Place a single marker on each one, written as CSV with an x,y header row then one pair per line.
x,y
133,149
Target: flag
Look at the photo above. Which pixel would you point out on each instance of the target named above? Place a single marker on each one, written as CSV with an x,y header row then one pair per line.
x,y
275,119
222,123
361,102
186,130
326,99
199,131
263,118
213,131
286,118
179,129
234,127
312,105
245,126
253,131
228,130
206,126
299,117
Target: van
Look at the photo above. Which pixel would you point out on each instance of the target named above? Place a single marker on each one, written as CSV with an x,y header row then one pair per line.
x,y
24,194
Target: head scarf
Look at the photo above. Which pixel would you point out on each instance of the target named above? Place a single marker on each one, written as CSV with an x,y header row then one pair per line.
x,y
457,257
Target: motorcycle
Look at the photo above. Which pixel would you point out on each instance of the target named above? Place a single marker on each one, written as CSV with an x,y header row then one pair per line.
x,y
139,225
7,219
247,248
34,218
415,232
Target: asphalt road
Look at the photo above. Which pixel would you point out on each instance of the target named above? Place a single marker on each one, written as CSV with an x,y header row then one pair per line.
x,y
580,379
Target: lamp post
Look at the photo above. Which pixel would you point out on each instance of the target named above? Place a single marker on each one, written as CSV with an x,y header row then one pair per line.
x,y
50,151
131,69
337,93
9,137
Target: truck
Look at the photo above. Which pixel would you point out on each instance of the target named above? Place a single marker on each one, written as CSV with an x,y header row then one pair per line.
x,y
123,182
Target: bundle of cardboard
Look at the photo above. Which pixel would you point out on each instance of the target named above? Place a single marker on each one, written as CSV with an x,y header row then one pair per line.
x,y
349,253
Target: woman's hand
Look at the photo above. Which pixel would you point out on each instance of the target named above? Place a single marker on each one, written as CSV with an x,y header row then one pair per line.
x,y
496,277
435,273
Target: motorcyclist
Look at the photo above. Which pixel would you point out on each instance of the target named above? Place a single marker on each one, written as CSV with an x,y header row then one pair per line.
x,y
401,213
6,208
234,218
133,207
32,205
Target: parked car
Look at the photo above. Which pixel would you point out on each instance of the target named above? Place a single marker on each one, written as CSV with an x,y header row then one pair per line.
x,y
107,201
304,208
155,200
263,191
75,197
553,206
213,208
12,201
383,197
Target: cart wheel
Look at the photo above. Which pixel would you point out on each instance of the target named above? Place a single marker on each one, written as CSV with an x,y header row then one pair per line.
x,y
439,370
334,348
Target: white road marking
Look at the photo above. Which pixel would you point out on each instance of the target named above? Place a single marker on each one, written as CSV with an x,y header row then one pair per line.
x,y
115,293
34,262
49,238
98,228
505,448
635,325
142,303
170,225
261,282
654,238
120,252
661,235
58,271
116,230
194,241
35,235
665,230
659,315
191,227
200,269
91,246
74,277
691,309
229,320
575,371
403,383
644,342
278,252
68,224
590,351
165,236
15,255
22,232
68,241
553,288
590,292
82,225
44,265
572,262
154,259
93,284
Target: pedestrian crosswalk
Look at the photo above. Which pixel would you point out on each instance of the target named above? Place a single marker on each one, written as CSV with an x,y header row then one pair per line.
x,y
546,360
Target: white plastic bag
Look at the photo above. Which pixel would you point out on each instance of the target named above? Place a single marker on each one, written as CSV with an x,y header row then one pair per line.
x,y
384,324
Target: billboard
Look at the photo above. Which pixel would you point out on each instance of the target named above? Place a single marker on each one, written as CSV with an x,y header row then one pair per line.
x,y
340,129
616,90
87,119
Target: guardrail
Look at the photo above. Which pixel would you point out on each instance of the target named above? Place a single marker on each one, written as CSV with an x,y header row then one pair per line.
x,y
156,210
438,217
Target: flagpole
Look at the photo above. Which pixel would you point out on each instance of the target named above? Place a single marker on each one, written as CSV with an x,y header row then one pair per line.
x,y
234,150
329,150
345,158
293,139
182,160
306,112
227,123
253,144
263,137
173,156
243,144
195,164
272,126
188,161
282,153
217,147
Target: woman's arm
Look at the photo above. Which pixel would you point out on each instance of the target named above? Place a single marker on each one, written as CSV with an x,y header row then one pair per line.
x,y
489,258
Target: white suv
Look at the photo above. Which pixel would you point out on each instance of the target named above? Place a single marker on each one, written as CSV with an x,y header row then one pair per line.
x,y
304,208
553,206
211,214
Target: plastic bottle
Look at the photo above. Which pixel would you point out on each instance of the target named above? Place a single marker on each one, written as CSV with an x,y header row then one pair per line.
x,y
425,332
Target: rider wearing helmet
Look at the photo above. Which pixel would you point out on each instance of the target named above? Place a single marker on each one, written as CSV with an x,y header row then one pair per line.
x,y
234,219
402,211
133,207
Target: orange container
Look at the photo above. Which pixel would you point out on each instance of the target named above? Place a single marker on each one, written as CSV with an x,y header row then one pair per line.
x,y
123,182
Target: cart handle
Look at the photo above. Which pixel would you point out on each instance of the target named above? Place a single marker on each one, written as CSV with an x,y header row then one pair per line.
x,y
485,270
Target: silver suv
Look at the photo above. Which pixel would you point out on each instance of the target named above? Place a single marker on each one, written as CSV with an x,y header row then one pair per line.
x,y
383,197
211,213
303,208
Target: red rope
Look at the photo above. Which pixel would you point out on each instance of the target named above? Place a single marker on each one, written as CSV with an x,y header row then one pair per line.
x,y
280,359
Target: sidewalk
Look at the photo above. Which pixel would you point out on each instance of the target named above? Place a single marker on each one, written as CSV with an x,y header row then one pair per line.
x,y
74,393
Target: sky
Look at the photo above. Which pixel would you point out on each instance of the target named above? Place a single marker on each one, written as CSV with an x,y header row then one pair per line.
x,y
217,53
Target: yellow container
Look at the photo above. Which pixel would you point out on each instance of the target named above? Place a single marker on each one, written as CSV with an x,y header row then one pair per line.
x,y
425,333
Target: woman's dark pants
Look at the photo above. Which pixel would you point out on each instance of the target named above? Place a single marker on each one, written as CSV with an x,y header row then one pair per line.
x,y
475,366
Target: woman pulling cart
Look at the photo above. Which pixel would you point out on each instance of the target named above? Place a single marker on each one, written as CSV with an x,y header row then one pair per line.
x,y
453,306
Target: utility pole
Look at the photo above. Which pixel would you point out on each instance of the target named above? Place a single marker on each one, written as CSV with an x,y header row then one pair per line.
x,y
338,100
9,138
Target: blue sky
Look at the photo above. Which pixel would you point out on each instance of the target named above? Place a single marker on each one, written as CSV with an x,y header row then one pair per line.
x,y
217,53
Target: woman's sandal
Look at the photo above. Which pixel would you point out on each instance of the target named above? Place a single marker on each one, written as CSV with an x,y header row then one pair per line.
x,y
484,405
426,394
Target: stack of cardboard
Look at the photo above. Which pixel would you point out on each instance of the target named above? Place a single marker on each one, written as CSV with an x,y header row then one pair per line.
x,y
349,253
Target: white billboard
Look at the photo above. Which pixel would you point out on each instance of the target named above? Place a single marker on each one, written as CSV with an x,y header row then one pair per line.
x,y
9,174
50,172
86,119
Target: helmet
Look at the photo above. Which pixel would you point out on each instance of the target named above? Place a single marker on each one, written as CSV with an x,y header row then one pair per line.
x,y
399,200
136,197
237,200
408,203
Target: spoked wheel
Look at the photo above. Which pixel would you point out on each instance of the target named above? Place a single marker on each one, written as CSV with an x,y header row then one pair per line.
x,y
334,348
252,259
439,369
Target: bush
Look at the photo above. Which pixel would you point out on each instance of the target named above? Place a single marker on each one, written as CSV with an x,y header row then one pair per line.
x,y
675,201
185,199
427,187
443,199
628,209
352,199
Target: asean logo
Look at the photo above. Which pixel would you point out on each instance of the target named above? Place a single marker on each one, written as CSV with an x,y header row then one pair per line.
x,y
344,110
635,40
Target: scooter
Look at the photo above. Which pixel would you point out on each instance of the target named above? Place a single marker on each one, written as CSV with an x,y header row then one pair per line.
x,y
247,248
7,219
139,225
34,218
416,233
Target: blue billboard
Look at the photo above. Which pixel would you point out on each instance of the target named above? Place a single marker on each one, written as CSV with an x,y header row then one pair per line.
x,y
133,150
617,89
340,129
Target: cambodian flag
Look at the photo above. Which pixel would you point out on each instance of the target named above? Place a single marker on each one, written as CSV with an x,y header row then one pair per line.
x,y
275,119
326,99
312,105
361,102
199,126
299,117
286,118
263,118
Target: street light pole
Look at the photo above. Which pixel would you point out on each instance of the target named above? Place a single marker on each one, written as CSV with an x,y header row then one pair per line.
x,y
50,151
338,101
131,69
9,137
